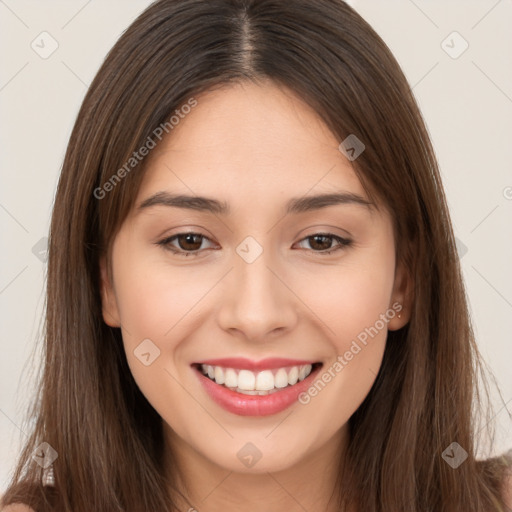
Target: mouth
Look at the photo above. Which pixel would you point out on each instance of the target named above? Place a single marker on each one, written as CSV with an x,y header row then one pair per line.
x,y
255,389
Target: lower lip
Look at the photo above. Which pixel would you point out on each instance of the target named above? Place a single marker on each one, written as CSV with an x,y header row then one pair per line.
x,y
254,405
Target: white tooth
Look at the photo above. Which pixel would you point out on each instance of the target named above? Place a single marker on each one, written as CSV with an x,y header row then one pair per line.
x,y
264,381
247,391
230,378
281,378
219,375
246,380
293,375
263,393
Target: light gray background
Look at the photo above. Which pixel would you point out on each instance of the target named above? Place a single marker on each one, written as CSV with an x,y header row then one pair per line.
x,y
466,101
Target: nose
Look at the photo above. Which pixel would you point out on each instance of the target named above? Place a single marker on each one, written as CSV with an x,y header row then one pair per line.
x,y
257,300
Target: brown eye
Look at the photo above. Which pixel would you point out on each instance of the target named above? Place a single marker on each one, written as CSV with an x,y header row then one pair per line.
x,y
189,241
188,244
322,242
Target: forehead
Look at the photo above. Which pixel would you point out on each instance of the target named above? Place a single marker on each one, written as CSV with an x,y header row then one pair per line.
x,y
250,141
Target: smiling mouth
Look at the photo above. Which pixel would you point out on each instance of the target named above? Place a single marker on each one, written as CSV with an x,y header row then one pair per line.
x,y
264,382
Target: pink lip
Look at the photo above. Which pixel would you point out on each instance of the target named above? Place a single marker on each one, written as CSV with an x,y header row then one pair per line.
x,y
254,405
241,363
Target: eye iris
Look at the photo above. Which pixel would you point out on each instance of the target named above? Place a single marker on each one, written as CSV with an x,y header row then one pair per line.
x,y
191,242
327,245
190,237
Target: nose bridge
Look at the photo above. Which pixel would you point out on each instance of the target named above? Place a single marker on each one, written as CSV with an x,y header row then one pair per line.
x,y
256,300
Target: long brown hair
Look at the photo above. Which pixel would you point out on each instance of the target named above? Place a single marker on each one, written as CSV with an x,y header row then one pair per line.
x,y
88,407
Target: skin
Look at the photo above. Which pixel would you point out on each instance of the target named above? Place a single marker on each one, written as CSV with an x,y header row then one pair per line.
x,y
255,147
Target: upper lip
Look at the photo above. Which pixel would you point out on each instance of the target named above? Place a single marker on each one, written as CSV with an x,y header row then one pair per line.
x,y
247,364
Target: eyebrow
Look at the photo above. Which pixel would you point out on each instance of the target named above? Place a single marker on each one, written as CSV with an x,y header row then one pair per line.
x,y
293,206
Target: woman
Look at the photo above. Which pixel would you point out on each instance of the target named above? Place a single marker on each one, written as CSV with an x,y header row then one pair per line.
x,y
254,297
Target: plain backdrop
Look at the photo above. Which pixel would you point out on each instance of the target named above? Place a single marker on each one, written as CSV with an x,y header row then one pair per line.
x,y
462,81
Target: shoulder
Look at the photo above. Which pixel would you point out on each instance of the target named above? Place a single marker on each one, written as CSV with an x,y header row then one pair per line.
x,y
506,488
17,507
506,491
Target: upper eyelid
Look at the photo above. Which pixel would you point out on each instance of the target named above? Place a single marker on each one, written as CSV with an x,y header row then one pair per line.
x,y
168,239
183,233
323,233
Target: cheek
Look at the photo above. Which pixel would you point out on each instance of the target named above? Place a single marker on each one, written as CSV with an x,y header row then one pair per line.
x,y
351,297
154,303
153,297
358,305
353,307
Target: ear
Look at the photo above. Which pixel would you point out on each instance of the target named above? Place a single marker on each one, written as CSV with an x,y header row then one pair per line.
x,y
401,298
108,298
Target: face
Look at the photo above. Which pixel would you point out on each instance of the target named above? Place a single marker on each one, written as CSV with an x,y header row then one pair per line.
x,y
287,304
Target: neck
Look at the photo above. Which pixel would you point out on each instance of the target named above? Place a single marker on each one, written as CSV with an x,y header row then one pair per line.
x,y
307,485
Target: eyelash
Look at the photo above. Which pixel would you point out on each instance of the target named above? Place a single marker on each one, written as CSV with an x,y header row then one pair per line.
x,y
166,243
